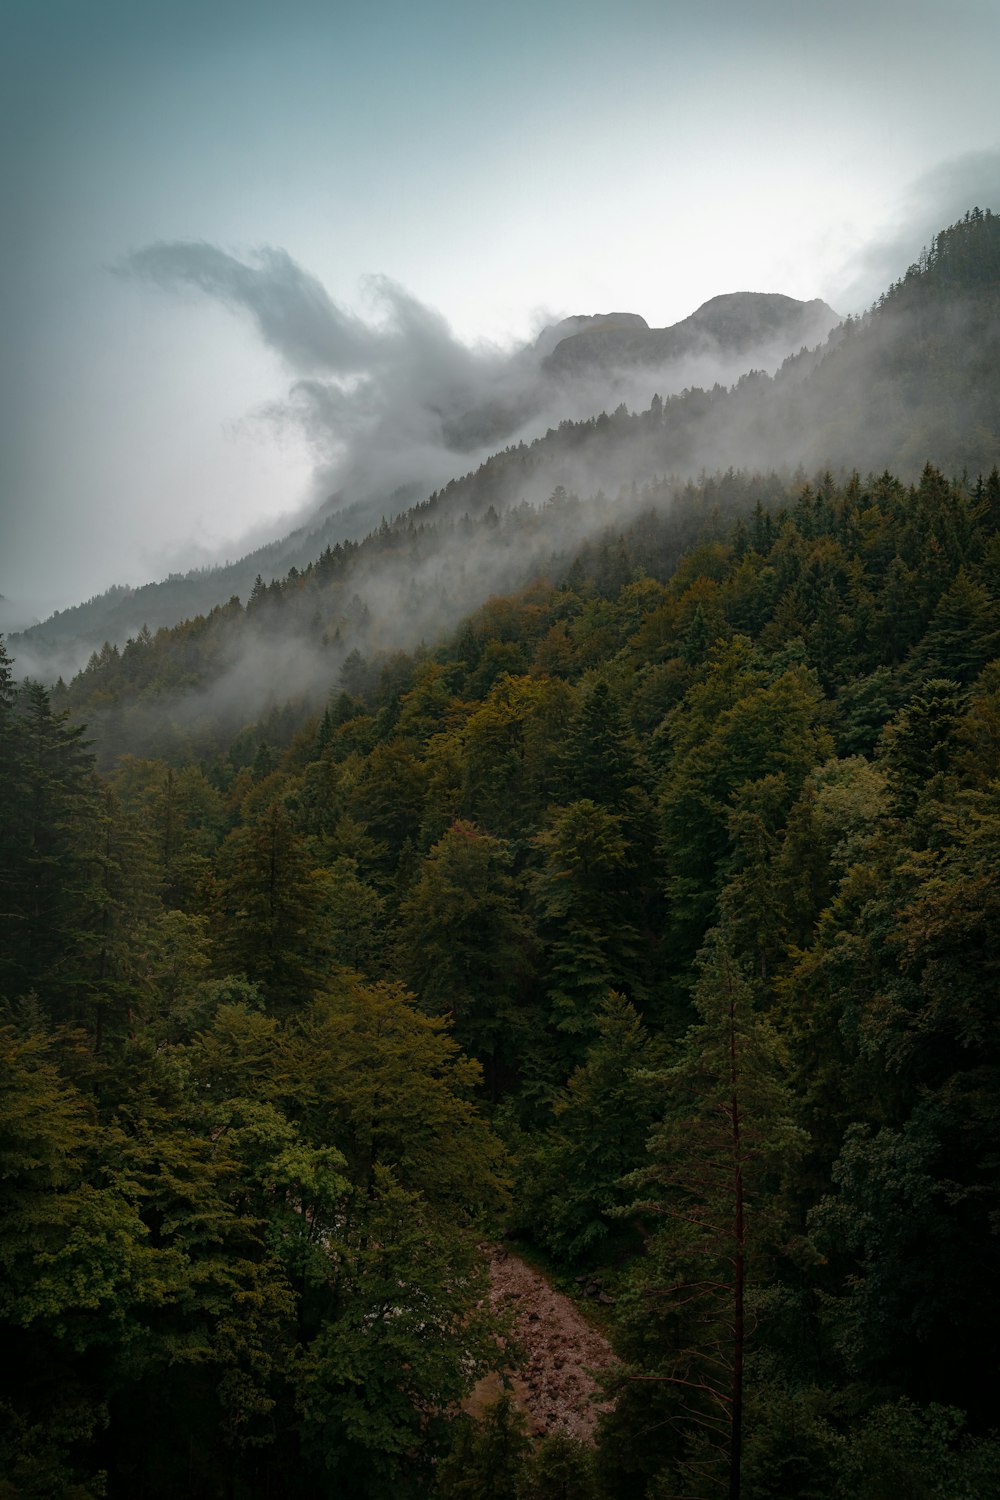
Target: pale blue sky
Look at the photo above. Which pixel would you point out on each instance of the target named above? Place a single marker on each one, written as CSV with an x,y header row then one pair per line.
x,y
503,164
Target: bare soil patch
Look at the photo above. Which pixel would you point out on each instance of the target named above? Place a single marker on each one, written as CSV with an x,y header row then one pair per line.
x,y
559,1352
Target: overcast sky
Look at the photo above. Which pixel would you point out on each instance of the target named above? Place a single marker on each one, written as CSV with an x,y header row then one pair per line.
x,y
206,206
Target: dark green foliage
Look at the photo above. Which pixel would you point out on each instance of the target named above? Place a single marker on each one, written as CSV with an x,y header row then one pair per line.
x,y
268,905
916,745
602,1120
923,1453
734,727
582,894
244,1169
466,947
55,859
907,1240
600,757
712,1193
489,1457
562,1468
397,1349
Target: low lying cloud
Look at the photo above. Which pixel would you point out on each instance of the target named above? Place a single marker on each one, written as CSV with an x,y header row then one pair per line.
x,y
396,405
938,198
291,309
384,401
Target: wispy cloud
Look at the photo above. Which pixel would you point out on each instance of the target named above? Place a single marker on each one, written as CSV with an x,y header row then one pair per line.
x,y
292,311
383,400
396,399
929,204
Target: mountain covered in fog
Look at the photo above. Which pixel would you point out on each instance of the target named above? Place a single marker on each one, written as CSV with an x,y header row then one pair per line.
x,y
573,370
913,380
761,328
484,873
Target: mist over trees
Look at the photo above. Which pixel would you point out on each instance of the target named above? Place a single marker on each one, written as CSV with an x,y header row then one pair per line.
x,y
911,379
644,912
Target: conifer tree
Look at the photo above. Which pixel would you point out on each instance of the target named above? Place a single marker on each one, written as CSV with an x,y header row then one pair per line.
x,y
465,946
717,1162
602,1120
269,898
600,760
49,833
586,920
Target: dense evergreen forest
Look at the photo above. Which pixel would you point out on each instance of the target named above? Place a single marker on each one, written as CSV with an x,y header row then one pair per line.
x,y
650,918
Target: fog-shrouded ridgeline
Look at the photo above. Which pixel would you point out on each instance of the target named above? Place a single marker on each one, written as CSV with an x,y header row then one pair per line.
x,y
643,920
395,410
913,380
759,328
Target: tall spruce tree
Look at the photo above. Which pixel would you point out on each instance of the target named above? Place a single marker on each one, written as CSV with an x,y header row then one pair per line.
x,y
49,843
712,1187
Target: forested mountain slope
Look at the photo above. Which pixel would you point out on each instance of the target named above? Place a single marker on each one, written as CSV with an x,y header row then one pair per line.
x,y
60,645
692,853
564,372
756,324
648,913
916,379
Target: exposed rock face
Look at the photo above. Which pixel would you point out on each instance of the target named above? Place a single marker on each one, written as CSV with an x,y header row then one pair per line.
x,y
553,1384
568,328
767,324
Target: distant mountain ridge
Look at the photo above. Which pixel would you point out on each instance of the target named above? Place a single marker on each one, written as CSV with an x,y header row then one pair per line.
x,y
916,379
555,334
734,323
609,348
913,387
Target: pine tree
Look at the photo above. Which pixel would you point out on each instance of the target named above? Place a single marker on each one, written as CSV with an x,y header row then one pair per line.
x,y
600,761
602,1120
465,945
586,920
49,838
717,1162
269,900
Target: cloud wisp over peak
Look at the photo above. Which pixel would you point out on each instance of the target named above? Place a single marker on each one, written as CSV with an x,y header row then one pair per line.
x,y
374,396
397,400
292,311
